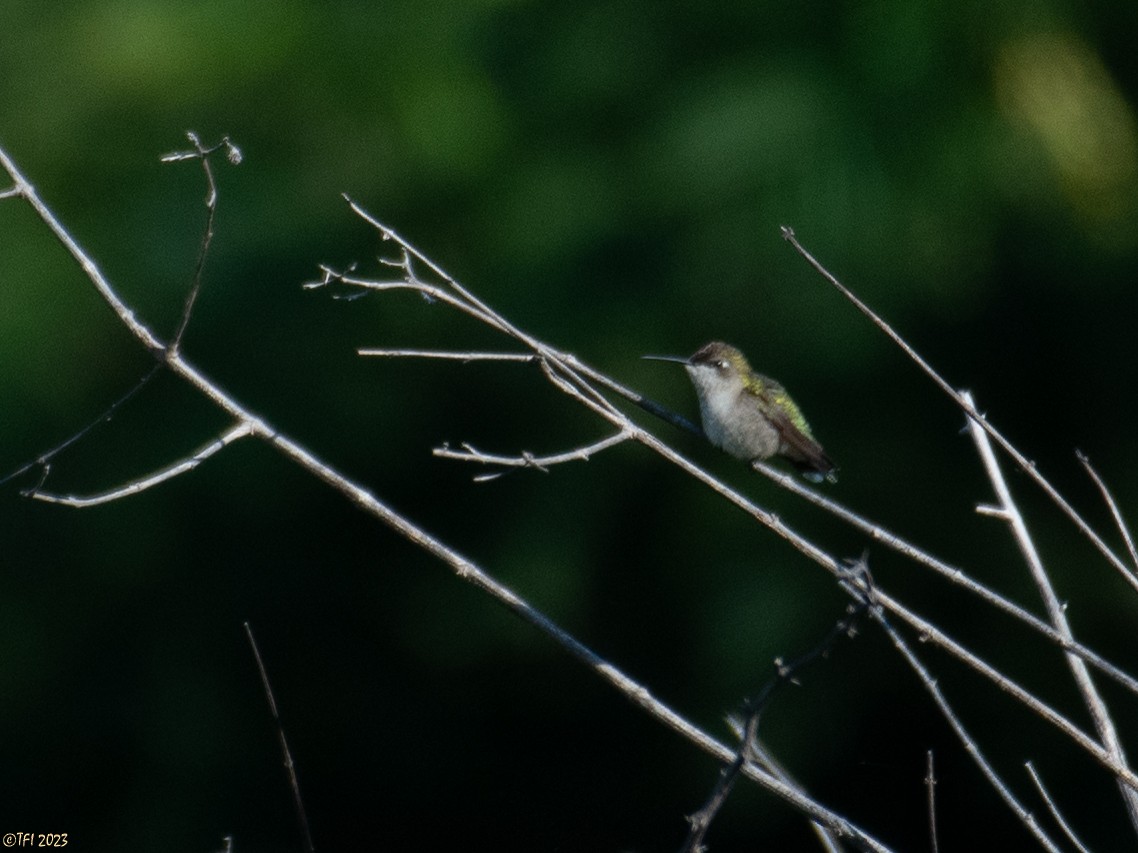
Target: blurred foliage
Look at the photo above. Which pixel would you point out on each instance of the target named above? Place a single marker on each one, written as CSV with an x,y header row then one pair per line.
x,y
612,177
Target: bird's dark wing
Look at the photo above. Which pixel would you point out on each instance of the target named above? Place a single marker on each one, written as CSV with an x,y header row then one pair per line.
x,y
797,439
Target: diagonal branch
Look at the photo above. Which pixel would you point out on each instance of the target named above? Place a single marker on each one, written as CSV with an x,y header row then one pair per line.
x,y
974,416
239,430
950,573
1053,809
1025,817
1055,610
1119,521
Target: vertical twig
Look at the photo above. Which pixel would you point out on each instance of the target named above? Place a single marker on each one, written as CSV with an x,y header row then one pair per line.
x,y
930,784
201,153
298,801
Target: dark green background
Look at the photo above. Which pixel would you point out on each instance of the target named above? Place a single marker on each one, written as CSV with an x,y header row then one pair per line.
x,y
612,177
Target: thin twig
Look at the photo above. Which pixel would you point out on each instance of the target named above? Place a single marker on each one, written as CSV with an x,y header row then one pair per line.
x,y
468,453
748,726
1108,498
44,459
1051,807
1056,611
464,357
238,431
974,416
930,786
1025,817
289,764
202,154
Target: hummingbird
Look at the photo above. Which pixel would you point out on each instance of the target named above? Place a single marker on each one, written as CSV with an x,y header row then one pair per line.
x,y
749,415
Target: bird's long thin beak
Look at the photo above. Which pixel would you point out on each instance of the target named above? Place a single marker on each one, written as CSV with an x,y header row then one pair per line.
x,y
674,358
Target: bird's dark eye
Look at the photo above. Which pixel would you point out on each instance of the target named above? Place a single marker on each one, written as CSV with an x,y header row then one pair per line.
x,y
721,364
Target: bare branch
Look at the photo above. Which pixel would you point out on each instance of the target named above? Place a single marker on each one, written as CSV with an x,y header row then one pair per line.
x,y
528,460
240,430
974,416
1055,610
930,785
1051,807
1119,521
290,765
1025,817
464,357
948,572
202,154
747,727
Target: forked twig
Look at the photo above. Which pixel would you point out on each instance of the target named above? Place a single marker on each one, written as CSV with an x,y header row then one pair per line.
x,y
202,154
747,726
